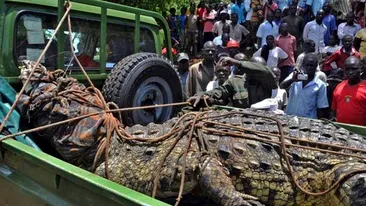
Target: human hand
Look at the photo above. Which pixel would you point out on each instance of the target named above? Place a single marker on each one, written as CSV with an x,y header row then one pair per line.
x,y
227,61
195,100
294,76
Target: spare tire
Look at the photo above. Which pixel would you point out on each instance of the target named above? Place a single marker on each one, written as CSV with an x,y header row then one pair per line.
x,y
140,80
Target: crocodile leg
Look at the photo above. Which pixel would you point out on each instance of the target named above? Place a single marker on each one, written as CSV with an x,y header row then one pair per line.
x,y
216,185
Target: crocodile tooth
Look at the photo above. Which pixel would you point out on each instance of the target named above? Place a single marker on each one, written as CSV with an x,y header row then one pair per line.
x,y
224,151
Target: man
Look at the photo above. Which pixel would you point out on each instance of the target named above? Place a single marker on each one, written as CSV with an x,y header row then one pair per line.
x,y
233,48
309,47
330,22
192,32
234,89
314,6
307,98
173,21
217,29
266,28
278,100
269,6
200,74
200,11
287,43
315,30
222,74
225,30
348,27
182,27
282,4
183,66
238,32
341,55
222,46
230,6
277,17
295,25
239,8
349,98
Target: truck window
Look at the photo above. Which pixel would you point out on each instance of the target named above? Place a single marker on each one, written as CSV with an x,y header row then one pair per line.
x,y
33,30
32,35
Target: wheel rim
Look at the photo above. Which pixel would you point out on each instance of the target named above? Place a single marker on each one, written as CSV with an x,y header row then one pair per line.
x,y
154,90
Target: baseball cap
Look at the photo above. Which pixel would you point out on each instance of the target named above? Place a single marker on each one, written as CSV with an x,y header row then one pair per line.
x,y
223,12
182,56
233,44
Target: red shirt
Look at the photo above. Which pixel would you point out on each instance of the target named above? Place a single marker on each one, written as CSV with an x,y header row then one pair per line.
x,y
87,61
287,44
200,12
339,57
349,102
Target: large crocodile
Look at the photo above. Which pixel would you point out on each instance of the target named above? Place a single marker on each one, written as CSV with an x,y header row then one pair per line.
x,y
220,165
235,166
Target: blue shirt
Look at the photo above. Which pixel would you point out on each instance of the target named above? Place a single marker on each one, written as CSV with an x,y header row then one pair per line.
x,y
304,102
316,5
282,4
183,79
301,4
240,11
330,22
182,22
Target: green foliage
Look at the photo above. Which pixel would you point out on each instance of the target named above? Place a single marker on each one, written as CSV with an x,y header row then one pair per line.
x,y
154,5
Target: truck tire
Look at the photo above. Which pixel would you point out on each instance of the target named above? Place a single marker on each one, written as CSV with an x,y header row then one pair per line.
x,y
140,80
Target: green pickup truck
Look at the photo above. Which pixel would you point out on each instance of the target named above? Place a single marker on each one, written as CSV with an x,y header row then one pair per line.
x,y
105,36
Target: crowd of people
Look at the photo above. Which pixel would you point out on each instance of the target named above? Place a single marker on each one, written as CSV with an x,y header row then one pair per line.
x,y
305,61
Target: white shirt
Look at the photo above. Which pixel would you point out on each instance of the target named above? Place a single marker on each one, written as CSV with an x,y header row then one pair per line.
x,y
332,49
217,27
266,29
281,96
274,56
315,32
344,29
212,85
248,9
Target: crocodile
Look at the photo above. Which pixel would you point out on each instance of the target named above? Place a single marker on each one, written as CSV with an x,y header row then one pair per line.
x,y
218,165
236,171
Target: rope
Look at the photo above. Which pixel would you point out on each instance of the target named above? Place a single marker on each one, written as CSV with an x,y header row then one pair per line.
x,y
67,12
284,146
193,121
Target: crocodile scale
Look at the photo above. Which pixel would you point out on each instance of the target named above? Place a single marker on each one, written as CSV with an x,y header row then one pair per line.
x,y
236,169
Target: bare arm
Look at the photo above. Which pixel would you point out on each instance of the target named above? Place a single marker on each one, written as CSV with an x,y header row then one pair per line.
x,y
357,43
286,83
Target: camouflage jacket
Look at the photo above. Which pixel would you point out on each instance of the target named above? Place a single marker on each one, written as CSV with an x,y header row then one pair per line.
x,y
235,89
